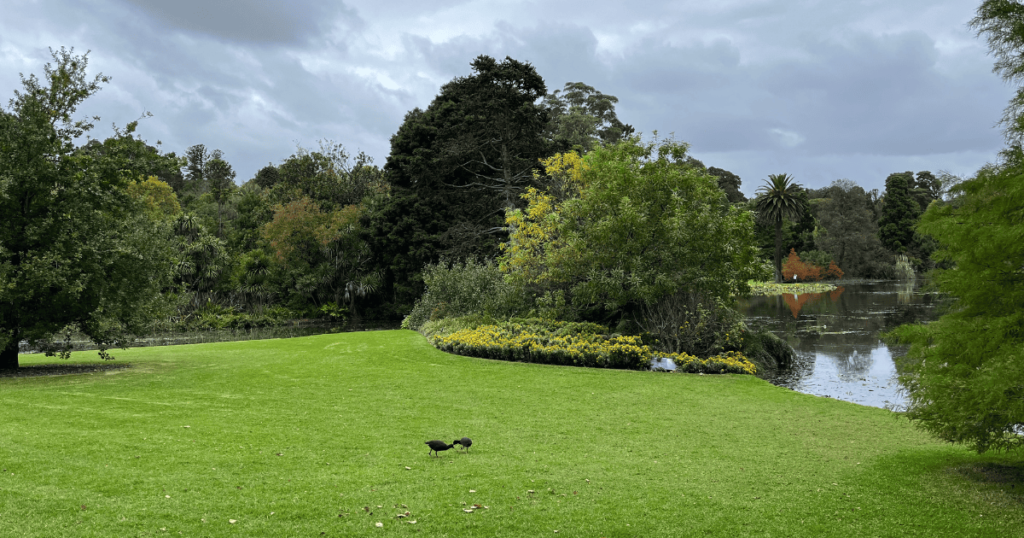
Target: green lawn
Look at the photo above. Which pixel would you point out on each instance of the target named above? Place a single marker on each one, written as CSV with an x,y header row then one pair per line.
x,y
295,437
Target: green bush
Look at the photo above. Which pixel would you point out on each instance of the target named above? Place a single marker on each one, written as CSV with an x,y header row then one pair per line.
x,y
455,289
548,343
566,343
767,351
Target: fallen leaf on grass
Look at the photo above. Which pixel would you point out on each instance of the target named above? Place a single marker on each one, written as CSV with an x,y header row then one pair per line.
x,y
468,510
400,516
379,524
232,521
186,426
529,491
83,507
472,491
477,506
411,522
408,468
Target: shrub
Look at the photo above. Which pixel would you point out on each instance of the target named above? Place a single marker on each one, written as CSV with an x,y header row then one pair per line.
x,y
904,270
729,362
690,323
464,288
568,343
804,272
538,343
767,351
811,270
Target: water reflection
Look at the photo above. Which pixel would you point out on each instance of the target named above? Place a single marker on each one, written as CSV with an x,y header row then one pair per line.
x,y
836,337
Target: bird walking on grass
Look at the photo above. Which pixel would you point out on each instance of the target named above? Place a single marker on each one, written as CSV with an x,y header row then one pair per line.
x,y
437,446
466,442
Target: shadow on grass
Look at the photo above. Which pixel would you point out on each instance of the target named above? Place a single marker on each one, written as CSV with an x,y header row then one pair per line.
x,y
994,473
36,370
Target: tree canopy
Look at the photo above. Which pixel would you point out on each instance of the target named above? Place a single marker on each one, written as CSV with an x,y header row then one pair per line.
x,y
645,227
455,168
778,199
966,384
76,251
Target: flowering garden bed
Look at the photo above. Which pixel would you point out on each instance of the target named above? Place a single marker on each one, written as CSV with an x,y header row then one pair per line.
x,y
576,344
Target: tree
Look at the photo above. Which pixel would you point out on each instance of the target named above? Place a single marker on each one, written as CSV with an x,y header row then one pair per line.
x,y
965,383
777,201
221,179
583,117
847,231
965,376
645,231
1000,22
157,198
76,251
729,183
454,169
899,214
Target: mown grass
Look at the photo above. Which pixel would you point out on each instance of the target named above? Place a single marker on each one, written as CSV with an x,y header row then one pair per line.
x,y
295,437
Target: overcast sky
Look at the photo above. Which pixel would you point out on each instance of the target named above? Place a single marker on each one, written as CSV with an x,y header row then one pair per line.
x,y
822,90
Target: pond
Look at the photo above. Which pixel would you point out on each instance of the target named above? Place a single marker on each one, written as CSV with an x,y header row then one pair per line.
x,y
836,337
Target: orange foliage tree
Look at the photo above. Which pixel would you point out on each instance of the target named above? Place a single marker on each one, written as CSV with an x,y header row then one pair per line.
x,y
808,272
794,269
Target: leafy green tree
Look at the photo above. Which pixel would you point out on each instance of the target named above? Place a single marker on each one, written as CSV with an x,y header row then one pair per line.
x,y
965,383
221,179
1000,22
201,264
583,117
76,250
454,169
254,209
142,156
899,214
778,199
327,176
729,183
645,231
157,198
847,230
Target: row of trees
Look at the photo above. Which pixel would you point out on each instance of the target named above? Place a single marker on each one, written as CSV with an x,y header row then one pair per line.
x,y
330,235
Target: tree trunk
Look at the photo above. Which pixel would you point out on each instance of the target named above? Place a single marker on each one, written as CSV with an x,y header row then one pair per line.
x,y
778,251
9,354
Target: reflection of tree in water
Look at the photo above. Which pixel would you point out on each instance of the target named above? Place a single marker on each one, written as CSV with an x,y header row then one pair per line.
x,y
796,303
849,361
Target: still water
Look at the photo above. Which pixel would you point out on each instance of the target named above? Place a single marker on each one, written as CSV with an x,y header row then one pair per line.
x,y
836,337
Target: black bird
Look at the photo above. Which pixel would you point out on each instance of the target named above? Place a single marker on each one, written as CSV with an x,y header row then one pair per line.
x,y
436,446
466,442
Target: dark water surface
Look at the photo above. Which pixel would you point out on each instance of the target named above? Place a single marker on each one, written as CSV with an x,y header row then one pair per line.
x,y
836,337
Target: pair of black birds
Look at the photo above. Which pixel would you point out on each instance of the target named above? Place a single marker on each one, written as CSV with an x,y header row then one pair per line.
x,y
437,446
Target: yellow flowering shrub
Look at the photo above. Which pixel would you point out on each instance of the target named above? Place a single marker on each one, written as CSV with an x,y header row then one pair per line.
x,y
730,362
575,344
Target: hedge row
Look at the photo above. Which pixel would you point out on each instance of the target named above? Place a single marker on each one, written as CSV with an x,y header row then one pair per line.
x,y
575,344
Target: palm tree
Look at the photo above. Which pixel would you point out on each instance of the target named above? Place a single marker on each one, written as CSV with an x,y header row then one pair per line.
x,y
777,200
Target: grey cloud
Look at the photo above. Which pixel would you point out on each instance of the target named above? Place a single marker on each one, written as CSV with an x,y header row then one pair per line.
x,y
256,21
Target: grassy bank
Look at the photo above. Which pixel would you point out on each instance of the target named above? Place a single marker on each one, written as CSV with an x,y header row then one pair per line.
x,y
296,437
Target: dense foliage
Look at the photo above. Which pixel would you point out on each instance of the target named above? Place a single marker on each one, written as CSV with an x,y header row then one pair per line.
x,y
778,200
648,240
498,200
77,250
965,372
966,380
576,344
